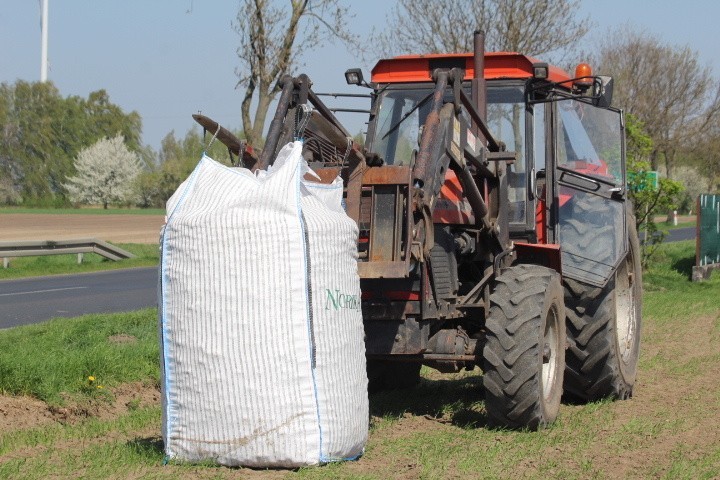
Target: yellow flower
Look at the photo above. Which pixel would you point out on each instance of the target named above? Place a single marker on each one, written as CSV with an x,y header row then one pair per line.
x,y
91,378
100,386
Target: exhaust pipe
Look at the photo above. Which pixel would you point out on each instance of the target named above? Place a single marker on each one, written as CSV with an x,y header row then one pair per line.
x,y
478,83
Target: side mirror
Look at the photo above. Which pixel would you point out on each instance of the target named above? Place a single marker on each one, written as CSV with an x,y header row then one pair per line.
x,y
602,91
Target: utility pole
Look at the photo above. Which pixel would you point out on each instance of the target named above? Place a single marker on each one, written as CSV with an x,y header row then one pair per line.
x,y
44,42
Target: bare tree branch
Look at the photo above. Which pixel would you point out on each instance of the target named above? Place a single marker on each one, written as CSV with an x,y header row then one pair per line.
x,y
273,39
532,27
665,86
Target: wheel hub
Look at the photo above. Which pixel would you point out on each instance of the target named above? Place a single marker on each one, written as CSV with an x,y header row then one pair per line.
x,y
626,319
550,354
546,353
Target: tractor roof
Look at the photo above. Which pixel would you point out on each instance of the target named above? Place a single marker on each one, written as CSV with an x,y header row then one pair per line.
x,y
418,68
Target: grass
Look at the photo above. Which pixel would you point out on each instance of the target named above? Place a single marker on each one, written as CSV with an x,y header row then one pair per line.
x,y
20,267
85,211
91,429
53,360
47,454
437,430
664,226
669,293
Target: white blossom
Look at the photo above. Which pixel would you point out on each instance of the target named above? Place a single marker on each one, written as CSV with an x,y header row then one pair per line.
x,y
106,172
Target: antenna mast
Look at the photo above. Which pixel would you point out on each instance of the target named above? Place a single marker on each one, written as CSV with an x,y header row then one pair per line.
x,y
44,42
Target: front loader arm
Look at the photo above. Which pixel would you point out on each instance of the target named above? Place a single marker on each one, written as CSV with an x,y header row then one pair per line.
x,y
443,145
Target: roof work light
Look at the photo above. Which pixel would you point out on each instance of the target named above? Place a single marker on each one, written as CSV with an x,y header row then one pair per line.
x,y
540,71
354,76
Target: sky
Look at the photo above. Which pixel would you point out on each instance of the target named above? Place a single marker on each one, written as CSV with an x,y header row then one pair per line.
x,y
168,59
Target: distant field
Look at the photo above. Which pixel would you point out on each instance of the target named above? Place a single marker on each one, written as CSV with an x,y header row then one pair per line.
x,y
85,211
112,227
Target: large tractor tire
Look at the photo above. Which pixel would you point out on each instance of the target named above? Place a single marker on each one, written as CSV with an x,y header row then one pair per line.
x,y
524,354
603,330
388,375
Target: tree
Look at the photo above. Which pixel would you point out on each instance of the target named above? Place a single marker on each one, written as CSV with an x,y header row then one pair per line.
x,y
705,155
531,27
272,40
178,157
106,172
9,193
41,133
666,87
647,199
30,149
694,184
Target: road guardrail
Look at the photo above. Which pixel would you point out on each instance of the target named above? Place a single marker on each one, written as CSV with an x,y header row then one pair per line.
x,y
30,248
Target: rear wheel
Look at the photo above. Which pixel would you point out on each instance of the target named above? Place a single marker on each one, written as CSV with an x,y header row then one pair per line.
x,y
603,329
524,354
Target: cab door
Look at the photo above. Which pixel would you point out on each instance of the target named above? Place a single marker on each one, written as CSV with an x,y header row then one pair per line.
x,y
589,191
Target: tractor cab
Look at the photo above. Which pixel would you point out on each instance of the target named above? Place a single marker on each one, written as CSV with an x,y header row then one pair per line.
x,y
566,183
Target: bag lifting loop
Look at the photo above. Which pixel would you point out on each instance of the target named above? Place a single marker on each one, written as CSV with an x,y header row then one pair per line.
x,y
302,117
212,139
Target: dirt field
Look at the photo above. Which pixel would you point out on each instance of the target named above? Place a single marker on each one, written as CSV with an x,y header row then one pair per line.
x,y
111,228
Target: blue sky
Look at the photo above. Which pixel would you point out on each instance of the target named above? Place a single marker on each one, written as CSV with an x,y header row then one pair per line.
x,y
168,59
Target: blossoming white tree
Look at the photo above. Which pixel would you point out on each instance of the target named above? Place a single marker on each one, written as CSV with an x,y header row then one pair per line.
x,y
106,172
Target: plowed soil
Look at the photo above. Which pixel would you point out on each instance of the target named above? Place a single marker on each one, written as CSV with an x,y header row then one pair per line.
x,y
111,228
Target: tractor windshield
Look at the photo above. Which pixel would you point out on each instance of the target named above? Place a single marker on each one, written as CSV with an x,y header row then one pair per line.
x,y
506,121
402,114
403,111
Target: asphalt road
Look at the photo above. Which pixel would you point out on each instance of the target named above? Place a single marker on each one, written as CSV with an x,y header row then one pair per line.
x,y
677,235
33,300
680,234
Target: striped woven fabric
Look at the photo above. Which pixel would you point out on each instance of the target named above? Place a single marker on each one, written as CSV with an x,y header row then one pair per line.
x,y
263,360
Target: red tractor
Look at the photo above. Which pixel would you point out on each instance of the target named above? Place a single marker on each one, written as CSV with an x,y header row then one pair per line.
x,y
495,228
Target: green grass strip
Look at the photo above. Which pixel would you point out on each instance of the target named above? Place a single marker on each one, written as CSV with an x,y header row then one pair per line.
x,y
147,255
670,293
56,358
664,226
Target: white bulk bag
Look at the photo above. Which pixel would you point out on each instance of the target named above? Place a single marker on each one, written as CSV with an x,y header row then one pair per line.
x,y
263,359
